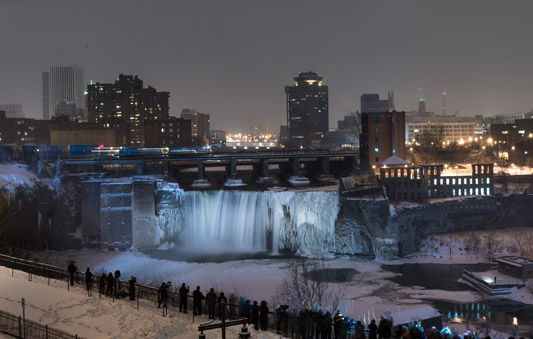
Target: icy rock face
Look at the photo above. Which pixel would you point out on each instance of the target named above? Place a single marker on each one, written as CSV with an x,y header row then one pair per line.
x,y
363,227
303,222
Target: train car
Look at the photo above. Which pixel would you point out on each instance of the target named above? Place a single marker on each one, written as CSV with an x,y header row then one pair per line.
x,y
102,150
80,150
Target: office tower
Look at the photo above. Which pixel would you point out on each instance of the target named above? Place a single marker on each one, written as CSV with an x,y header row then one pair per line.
x,y
200,125
126,102
307,110
12,110
371,103
422,107
63,84
382,136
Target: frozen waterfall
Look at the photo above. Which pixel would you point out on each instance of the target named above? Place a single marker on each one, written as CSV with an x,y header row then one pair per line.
x,y
247,221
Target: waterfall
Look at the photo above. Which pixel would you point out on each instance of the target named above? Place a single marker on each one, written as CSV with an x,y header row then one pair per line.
x,y
246,221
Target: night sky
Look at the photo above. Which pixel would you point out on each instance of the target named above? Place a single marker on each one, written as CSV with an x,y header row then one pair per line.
x,y
232,59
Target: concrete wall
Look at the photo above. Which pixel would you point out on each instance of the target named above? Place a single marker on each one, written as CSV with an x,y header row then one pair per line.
x,y
90,211
115,214
143,214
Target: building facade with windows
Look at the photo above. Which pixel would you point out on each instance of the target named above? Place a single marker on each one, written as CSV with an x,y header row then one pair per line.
x,y
22,131
126,101
171,132
200,125
512,117
382,136
372,103
420,183
63,84
307,110
451,128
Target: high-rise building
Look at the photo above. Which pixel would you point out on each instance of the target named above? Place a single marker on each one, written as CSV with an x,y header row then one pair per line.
x,y
200,125
382,136
12,110
283,134
126,101
371,103
63,84
307,110
422,107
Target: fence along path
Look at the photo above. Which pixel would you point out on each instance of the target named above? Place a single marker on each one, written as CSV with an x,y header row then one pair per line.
x,y
29,329
59,273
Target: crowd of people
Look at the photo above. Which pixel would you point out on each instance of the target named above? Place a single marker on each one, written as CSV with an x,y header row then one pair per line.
x,y
305,324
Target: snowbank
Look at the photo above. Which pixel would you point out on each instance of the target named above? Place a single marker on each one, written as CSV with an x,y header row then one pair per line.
x,y
14,175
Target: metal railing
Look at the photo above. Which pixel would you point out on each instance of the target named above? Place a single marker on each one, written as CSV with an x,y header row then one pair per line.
x,y
25,328
290,325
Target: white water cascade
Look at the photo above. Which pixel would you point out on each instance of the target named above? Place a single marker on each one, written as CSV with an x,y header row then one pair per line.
x,y
247,221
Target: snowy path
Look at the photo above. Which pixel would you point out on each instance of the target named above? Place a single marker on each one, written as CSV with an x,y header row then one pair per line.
x,y
95,317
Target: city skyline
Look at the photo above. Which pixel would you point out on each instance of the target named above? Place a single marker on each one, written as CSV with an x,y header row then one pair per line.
x,y
233,59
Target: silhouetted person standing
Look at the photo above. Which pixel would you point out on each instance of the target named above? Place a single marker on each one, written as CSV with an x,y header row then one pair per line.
x,y
89,281
131,288
326,326
263,315
222,302
255,315
372,330
162,295
183,297
109,284
385,328
211,299
197,297
116,284
101,287
72,269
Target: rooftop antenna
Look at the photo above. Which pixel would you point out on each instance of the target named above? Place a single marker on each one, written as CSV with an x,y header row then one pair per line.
x,y
444,107
420,94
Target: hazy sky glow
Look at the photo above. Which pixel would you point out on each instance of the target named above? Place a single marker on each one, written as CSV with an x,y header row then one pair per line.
x,y
232,59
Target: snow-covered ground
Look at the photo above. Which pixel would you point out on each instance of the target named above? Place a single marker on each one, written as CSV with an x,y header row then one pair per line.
x,y
98,317
14,175
368,294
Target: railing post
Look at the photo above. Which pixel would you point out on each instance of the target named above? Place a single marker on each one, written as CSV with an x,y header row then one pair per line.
x,y
20,326
223,318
